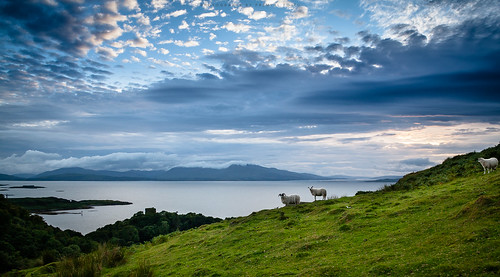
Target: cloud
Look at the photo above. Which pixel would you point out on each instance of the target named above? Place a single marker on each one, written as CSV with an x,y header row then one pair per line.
x,y
141,19
300,12
252,14
108,53
341,13
411,165
111,6
284,32
33,161
139,42
176,13
159,4
405,89
421,162
30,161
426,16
280,3
237,28
184,25
208,14
60,27
141,52
189,43
131,5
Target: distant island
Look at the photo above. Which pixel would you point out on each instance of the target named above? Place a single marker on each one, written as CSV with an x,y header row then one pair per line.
x,y
27,187
52,204
247,172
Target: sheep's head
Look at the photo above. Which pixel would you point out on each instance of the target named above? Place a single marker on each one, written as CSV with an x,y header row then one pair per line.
x,y
310,188
281,194
480,159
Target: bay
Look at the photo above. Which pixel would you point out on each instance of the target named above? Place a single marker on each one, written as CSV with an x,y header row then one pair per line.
x,y
211,198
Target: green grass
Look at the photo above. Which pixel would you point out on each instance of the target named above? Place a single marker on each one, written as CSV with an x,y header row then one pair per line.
x,y
445,230
437,226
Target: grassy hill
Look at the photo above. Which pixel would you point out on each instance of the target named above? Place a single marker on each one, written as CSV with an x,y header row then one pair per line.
x,y
444,221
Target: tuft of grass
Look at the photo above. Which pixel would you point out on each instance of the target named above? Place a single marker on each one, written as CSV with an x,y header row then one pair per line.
x,y
92,264
144,269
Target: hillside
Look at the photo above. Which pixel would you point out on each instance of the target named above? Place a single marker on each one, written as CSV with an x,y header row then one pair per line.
x,y
443,222
26,240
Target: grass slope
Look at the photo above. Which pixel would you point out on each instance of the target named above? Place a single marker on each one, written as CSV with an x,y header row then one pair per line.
x,y
445,225
451,229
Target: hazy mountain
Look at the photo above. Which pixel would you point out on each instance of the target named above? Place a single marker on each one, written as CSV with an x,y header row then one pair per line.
x,y
6,177
232,173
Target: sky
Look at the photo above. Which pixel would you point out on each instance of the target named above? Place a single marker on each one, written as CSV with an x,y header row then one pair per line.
x,y
344,87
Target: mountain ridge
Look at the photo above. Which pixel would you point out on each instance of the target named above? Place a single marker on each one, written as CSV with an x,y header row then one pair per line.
x,y
248,172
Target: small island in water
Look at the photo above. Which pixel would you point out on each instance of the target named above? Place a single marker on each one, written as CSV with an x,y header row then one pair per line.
x,y
27,187
53,204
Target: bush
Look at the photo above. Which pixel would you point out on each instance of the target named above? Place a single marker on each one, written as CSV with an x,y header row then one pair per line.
x,y
143,270
143,227
90,265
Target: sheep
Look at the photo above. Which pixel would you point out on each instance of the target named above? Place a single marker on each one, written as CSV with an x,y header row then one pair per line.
x,y
488,164
318,192
288,200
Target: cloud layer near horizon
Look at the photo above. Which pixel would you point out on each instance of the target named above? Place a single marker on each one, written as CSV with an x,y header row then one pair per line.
x,y
139,85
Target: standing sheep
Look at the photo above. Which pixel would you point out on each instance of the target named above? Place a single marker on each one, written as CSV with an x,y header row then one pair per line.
x,y
289,200
318,192
488,164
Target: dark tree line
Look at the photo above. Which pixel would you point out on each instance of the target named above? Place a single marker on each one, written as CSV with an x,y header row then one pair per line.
x,y
26,240
143,226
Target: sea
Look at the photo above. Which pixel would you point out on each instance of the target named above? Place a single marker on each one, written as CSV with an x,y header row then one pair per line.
x,y
222,199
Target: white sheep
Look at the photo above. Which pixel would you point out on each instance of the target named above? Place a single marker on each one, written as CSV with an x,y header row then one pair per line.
x,y
289,200
488,164
318,192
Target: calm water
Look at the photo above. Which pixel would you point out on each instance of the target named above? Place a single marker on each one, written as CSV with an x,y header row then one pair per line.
x,y
219,199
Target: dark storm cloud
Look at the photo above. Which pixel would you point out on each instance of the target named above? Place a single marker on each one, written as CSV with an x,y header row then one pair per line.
x,y
455,73
180,91
452,78
60,27
470,46
465,88
34,72
43,43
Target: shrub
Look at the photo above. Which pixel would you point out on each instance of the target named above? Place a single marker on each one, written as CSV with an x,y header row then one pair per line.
x,y
143,270
91,265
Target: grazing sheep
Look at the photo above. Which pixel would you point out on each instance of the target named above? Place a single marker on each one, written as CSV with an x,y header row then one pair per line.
x,y
318,192
289,200
488,164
